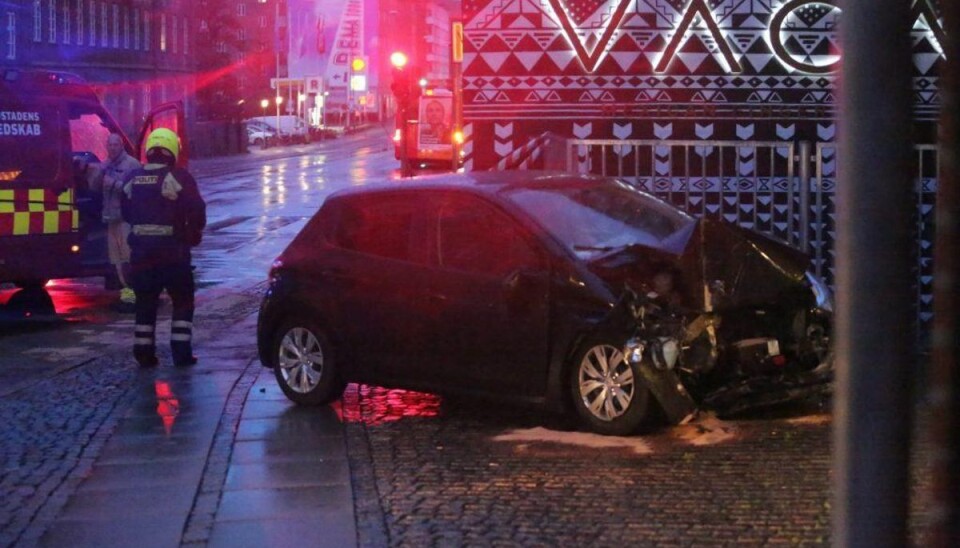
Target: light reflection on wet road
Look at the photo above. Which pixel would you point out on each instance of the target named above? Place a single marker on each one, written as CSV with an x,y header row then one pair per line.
x,y
256,203
254,213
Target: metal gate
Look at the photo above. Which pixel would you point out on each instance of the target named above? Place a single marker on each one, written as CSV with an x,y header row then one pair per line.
x,y
782,189
754,184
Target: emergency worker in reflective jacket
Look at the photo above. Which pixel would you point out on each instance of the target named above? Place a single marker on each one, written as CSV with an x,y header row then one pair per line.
x,y
166,214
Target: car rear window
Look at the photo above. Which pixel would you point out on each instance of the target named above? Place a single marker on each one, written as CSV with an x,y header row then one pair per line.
x,y
30,143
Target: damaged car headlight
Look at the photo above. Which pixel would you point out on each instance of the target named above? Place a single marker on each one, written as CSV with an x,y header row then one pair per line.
x,y
821,292
665,352
633,351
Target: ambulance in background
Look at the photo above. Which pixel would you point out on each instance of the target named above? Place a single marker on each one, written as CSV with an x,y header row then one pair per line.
x,y
432,136
50,222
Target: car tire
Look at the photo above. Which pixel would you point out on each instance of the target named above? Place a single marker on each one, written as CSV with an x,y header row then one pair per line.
x,y
607,392
304,364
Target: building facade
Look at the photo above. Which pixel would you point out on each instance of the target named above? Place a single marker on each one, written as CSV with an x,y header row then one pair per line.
x,y
136,53
242,42
723,107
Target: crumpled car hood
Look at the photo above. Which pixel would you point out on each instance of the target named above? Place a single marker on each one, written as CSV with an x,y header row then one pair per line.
x,y
740,267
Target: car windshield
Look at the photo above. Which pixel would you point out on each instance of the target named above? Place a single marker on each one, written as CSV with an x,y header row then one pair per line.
x,y
596,217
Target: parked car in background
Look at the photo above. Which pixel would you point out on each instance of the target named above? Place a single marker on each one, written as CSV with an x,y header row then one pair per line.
x,y
577,292
259,136
291,128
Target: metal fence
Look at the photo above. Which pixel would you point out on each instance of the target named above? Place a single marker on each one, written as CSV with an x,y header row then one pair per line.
x,y
779,188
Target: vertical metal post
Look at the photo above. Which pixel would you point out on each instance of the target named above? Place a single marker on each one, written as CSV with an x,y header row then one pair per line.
x,y
456,116
279,47
945,377
873,407
405,170
805,189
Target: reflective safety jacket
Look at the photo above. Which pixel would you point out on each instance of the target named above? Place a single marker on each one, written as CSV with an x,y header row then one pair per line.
x,y
165,211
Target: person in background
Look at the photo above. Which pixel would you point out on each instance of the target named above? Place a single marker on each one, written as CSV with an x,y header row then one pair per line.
x,y
167,215
109,182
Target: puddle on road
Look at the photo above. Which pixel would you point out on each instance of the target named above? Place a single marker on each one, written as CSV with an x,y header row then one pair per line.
x,y
382,405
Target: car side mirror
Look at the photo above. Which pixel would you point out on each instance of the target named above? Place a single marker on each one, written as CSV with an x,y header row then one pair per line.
x,y
520,289
518,279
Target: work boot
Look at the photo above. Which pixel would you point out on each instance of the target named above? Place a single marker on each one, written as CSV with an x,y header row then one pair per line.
x,y
181,335
128,302
127,296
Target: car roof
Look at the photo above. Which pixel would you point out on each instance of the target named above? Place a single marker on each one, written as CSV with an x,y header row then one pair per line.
x,y
484,182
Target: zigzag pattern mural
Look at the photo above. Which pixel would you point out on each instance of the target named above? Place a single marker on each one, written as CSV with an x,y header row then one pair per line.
x,y
769,59
716,71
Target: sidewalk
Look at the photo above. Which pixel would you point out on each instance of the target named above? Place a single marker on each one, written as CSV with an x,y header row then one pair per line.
x,y
214,455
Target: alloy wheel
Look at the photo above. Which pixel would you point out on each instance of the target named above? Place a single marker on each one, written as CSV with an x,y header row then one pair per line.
x,y
301,360
606,382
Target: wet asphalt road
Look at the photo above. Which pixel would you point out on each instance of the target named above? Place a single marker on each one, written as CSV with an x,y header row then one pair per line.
x,y
256,203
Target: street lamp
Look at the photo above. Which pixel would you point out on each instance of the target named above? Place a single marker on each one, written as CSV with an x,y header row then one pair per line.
x,y
401,91
301,107
264,103
323,112
357,66
279,101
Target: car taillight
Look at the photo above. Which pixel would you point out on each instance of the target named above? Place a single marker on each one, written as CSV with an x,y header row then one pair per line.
x,y
275,270
396,135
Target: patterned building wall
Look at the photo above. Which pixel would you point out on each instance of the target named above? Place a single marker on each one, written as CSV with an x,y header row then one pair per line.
x,y
703,69
671,71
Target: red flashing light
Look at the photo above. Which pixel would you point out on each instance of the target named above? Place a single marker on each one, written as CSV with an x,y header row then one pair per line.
x,y
398,59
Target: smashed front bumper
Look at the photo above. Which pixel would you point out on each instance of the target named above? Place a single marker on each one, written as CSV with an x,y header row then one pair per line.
x,y
767,391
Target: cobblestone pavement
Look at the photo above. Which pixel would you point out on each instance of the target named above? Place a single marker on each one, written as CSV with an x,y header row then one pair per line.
x,y
468,473
50,434
52,428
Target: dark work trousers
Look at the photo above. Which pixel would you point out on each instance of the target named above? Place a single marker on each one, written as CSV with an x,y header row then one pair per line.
x,y
148,282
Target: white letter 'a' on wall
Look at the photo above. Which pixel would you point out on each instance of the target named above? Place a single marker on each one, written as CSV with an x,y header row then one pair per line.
x,y
698,7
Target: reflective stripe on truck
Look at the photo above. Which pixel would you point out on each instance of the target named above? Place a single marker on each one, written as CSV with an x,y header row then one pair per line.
x,y
37,211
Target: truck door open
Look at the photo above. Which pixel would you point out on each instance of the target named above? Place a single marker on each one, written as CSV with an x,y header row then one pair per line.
x,y
170,116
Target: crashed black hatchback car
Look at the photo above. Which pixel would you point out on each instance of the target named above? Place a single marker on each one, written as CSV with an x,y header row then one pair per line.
x,y
572,291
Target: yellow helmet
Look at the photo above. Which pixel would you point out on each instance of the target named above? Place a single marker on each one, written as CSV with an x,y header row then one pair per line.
x,y
164,138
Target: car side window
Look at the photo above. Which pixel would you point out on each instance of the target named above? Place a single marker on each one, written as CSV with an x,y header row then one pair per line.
x,y
472,236
382,226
